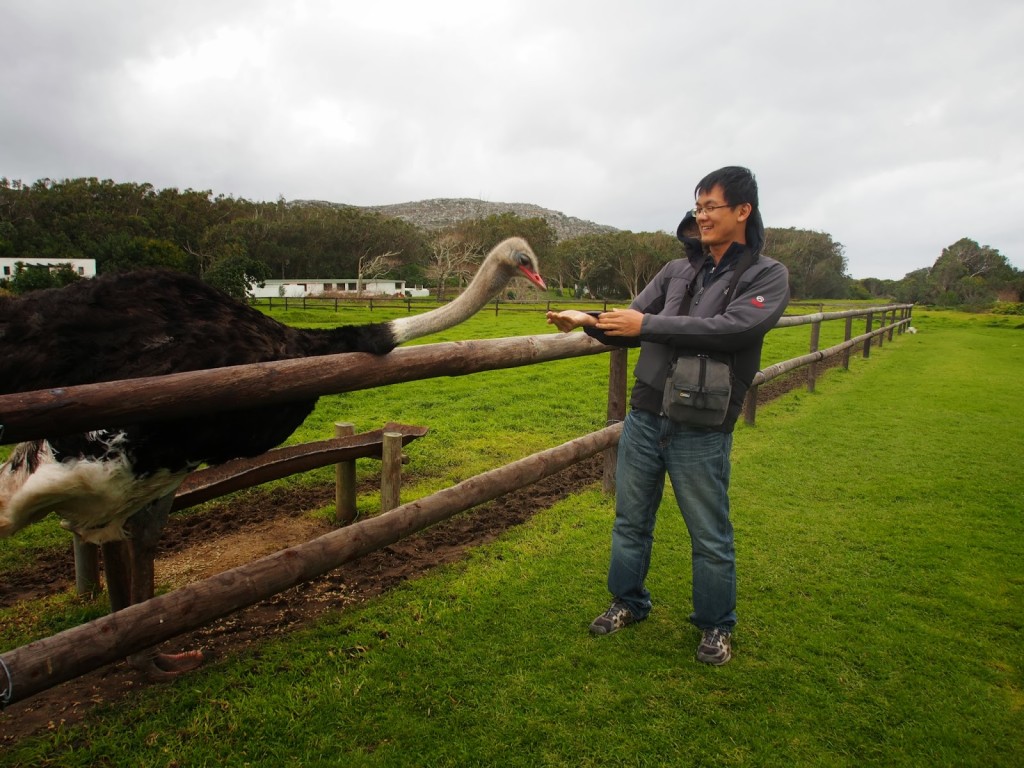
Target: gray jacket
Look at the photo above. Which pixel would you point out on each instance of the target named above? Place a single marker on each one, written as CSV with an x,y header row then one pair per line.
x,y
724,327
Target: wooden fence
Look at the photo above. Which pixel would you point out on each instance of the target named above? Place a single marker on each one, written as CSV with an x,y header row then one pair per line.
x,y
42,664
893,318
374,303
394,303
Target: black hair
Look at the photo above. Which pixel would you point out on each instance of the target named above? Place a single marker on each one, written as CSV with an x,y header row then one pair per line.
x,y
739,186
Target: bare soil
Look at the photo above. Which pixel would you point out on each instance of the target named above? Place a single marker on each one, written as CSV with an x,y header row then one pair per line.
x,y
251,525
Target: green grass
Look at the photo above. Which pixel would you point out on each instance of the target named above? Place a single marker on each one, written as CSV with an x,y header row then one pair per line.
x,y
881,555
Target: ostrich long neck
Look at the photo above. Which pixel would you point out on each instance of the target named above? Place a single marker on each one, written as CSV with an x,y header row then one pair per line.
x,y
485,284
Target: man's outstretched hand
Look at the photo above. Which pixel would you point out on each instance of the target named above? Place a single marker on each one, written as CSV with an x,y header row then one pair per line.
x,y
618,322
568,319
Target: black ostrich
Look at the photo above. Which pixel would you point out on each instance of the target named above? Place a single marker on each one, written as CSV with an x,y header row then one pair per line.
x,y
114,487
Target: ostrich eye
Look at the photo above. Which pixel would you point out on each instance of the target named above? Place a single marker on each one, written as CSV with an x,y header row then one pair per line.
x,y
523,259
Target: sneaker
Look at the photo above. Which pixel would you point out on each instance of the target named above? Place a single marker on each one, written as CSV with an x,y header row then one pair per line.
x,y
715,647
615,618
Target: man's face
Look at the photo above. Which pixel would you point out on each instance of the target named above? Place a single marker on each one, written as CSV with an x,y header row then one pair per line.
x,y
719,224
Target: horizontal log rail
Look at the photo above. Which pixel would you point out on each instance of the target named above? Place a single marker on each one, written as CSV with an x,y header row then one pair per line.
x,y
812,358
213,482
791,320
424,304
42,664
778,369
69,410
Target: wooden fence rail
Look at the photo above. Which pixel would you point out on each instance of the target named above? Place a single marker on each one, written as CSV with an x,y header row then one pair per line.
x,y
372,304
68,410
409,305
901,319
222,479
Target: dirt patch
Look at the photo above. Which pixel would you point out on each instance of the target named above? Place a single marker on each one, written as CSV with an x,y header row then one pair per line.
x,y
256,523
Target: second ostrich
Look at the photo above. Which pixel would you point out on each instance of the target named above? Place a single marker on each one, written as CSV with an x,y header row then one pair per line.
x,y
115,486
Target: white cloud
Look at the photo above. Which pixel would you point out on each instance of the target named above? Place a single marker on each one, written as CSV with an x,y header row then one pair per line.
x,y
892,126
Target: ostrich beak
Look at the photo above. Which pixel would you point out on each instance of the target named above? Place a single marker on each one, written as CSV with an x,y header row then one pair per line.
x,y
533,277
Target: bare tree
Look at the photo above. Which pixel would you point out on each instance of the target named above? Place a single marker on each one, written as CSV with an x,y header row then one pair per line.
x,y
452,256
371,266
577,258
638,257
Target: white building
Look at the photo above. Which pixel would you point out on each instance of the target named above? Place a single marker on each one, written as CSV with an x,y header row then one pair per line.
x,y
84,267
297,288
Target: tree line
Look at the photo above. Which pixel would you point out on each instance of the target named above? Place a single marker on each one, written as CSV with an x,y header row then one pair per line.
x,y
231,242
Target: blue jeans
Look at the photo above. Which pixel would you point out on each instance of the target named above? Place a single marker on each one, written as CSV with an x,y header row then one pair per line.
x,y
697,463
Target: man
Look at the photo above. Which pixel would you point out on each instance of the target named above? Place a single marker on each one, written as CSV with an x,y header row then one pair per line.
x,y
725,325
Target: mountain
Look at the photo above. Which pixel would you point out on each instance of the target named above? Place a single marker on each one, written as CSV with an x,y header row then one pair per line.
x,y
442,212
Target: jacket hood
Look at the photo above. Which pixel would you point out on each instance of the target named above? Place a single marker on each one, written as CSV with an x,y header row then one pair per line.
x,y
754,232
688,235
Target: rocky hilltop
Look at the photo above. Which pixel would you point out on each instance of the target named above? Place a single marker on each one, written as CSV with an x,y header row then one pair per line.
x,y
439,213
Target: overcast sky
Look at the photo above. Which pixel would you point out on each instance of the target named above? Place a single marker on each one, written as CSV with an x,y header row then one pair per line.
x,y
895,126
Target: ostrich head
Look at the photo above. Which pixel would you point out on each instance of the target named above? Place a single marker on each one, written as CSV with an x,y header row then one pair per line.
x,y
508,259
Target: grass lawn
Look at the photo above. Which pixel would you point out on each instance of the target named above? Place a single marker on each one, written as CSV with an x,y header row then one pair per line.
x,y
881,554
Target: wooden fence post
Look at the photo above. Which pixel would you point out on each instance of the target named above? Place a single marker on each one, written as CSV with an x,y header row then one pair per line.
x,y
87,567
750,405
847,337
344,481
812,369
907,315
391,471
617,363
867,330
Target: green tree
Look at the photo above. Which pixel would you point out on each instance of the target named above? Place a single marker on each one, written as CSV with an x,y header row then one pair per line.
x,y
637,258
491,230
914,287
577,259
126,252
183,218
816,263
64,274
36,277
969,273
614,265
234,272
8,233
873,287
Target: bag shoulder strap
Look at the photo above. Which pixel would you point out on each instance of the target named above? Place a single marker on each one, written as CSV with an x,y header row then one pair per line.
x,y
746,261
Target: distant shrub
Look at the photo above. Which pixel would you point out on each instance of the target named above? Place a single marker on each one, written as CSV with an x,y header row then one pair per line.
x,y
1008,308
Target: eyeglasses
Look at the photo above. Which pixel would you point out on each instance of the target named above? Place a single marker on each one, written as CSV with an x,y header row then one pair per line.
x,y
709,208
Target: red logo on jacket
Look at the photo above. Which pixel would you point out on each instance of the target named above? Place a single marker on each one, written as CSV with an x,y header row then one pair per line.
x,y
758,301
